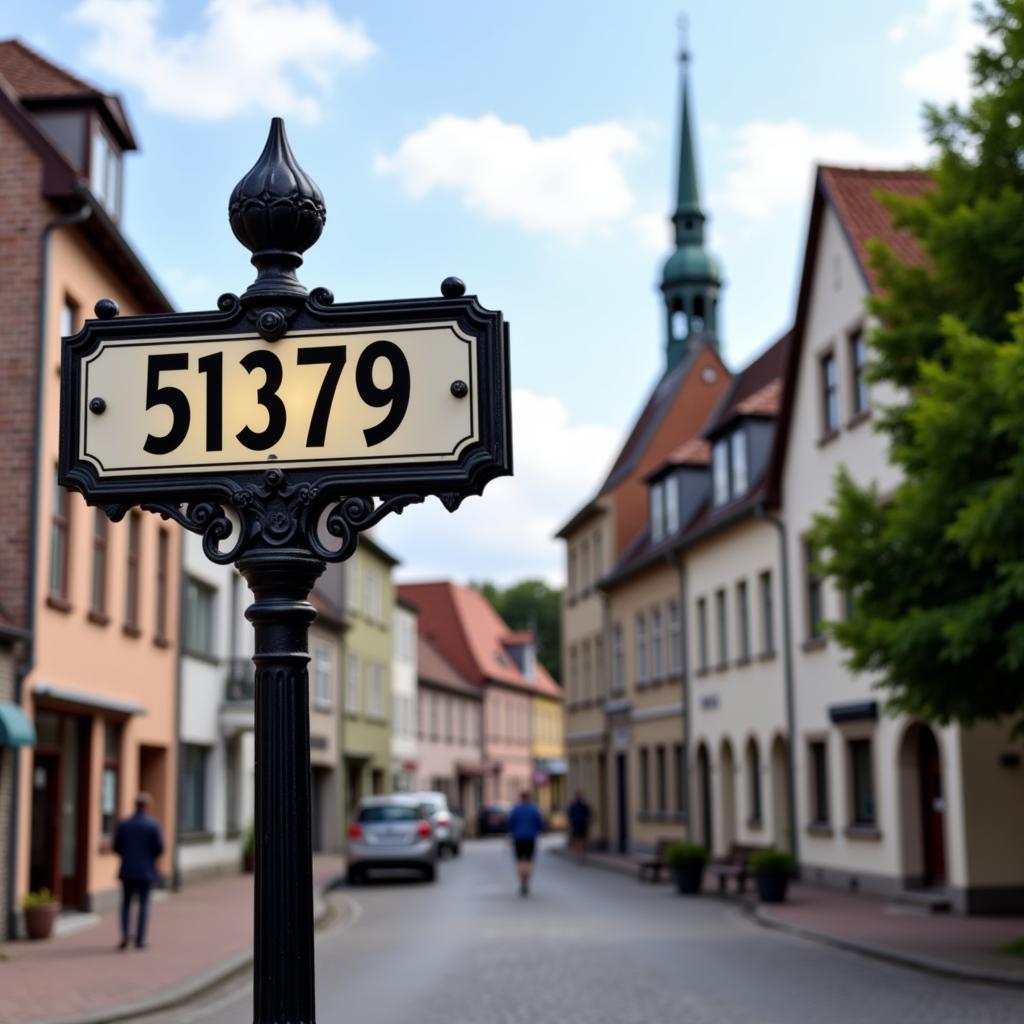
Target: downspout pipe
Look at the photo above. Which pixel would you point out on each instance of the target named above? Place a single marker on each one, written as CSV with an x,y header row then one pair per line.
x,y
29,657
762,512
684,638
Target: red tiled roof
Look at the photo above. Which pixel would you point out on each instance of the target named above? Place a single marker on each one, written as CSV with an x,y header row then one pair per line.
x,y
764,402
433,667
470,634
32,76
756,390
854,195
695,452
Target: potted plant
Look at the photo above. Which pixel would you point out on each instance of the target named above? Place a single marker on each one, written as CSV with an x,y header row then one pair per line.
x,y
772,869
687,861
41,911
249,850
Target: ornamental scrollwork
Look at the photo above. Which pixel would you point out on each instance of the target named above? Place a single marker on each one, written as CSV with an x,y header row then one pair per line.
x,y
274,513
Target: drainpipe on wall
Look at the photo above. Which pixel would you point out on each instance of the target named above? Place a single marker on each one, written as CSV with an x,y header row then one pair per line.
x,y
179,746
684,636
787,670
29,660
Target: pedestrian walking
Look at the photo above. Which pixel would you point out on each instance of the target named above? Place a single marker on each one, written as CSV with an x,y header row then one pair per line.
x,y
579,825
525,824
138,842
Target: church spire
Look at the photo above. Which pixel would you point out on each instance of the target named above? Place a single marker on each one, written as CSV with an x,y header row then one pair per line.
x,y
692,278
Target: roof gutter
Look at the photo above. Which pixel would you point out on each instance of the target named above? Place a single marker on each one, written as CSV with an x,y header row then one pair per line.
x,y
29,659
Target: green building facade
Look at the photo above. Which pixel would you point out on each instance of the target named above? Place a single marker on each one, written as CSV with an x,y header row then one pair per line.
x,y
366,712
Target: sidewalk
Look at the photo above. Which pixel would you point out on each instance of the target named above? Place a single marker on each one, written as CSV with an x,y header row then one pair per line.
x,y
951,944
200,934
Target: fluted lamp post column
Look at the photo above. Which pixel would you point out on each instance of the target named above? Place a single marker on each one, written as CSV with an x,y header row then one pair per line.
x,y
279,427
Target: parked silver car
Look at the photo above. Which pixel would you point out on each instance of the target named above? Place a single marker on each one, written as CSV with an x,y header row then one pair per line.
x,y
391,832
449,826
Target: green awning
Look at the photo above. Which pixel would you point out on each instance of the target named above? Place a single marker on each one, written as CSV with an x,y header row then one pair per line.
x,y
15,728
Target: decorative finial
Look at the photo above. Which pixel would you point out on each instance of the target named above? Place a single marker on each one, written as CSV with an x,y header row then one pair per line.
x,y
277,212
684,38
453,288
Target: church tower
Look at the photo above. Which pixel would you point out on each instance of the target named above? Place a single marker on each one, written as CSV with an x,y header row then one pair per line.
x,y
692,278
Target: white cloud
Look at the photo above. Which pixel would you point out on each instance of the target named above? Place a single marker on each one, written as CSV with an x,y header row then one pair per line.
x,y
506,534
941,74
570,185
276,56
770,164
653,230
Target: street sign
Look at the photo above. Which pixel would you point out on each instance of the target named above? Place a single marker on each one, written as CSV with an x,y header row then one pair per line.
x,y
280,426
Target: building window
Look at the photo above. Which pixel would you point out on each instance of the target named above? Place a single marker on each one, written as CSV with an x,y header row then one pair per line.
x,y
131,589
657,646
353,702
862,783
200,601
573,588
722,616
829,395
111,782
618,660
352,584
671,505
163,547
323,669
599,677
60,534
642,667
657,500
98,591
105,172
68,317
754,781
574,673
645,781
859,366
193,787
815,615
675,640
743,620
375,690
818,755
720,472
767,613
586,688
679,775
738,462
598,555
585,579
374,602
661,778
702,634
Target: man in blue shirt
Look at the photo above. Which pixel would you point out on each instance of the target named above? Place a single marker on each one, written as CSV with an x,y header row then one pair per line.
x,y
525,823
138,842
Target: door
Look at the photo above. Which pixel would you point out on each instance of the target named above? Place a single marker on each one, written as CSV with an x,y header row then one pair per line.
x,y
45,838
933,808
621,781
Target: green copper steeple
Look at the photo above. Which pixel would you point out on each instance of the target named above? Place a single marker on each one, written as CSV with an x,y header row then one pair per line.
x,y
691,278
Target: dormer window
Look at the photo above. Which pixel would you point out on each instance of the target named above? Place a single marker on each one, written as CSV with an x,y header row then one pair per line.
x,y
105,171
671,505
730,467
657,512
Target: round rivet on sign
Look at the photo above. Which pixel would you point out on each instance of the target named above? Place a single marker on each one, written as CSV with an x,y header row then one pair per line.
x,y
460,388
98,406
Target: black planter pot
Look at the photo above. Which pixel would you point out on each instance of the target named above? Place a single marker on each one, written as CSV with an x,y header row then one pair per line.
x,y
689,878
771,886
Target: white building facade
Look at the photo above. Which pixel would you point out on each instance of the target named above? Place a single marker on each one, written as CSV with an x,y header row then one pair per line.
x,y
405,714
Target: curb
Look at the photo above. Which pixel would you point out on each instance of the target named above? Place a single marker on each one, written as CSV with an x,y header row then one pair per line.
x,y
198,984
945,968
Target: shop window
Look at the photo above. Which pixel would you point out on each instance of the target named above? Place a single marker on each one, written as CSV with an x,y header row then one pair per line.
x,y
862,783
193,787
818,757
110,788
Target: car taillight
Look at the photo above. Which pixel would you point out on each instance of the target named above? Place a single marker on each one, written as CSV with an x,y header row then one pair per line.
x,y
423,829
355,832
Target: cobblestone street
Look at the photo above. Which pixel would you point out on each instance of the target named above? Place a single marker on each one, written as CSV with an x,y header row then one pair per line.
x,y
590,947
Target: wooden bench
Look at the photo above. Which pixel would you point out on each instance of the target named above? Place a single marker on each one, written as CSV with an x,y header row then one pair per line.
x,y
735,865
649,867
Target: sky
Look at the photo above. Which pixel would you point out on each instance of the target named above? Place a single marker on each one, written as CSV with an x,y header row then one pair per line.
x,y
527,148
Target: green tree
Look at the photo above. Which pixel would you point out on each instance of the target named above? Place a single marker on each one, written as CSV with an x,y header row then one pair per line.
x,y
936,568
532,604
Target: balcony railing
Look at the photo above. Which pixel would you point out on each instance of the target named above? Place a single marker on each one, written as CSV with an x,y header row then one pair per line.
x,y
240,685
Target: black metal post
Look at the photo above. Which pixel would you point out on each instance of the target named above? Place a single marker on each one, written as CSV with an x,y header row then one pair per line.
x,y
281,581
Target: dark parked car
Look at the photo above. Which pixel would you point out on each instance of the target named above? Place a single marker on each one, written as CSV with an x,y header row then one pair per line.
x,y
493,819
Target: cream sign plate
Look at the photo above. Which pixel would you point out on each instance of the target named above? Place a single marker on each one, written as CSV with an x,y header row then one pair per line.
x,y
315,398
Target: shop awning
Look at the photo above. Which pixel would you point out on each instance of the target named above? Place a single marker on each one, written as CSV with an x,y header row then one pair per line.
x,y
15,728
100,702
552,766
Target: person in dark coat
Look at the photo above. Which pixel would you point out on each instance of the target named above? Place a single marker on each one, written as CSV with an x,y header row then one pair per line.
x,y
579,825
525,824
138,842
